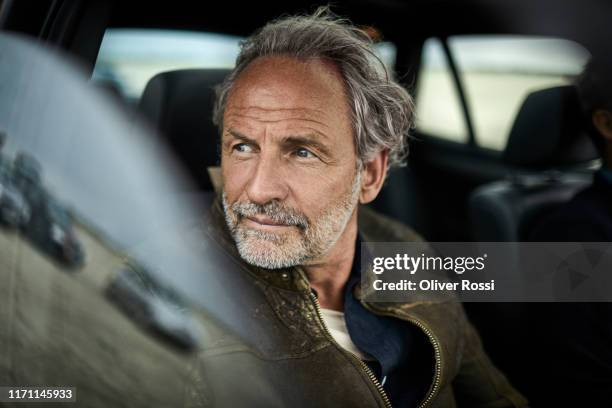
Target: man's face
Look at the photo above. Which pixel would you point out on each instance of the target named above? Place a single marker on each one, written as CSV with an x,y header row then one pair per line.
x,y
289,162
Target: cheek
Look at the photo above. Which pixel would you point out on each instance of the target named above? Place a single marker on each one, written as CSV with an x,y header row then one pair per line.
x,y
317,193
235,178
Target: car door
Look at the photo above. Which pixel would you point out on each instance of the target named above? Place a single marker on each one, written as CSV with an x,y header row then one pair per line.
x,y
104,200
8,265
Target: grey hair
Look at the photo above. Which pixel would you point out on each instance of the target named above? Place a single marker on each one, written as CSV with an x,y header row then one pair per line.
x,y
382,110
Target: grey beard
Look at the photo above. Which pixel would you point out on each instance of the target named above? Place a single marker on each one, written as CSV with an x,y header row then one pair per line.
x,y
315,238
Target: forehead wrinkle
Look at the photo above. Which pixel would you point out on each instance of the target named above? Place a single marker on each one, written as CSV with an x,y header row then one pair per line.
x,y
256,111
311,134
282,120
230,116
237,107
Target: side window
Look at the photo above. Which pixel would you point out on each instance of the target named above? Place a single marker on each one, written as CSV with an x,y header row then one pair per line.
x,y
128,58
438,106
387,52
498,72
106,268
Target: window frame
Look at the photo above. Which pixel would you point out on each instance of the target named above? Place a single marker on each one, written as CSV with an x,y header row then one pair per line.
x,y
471,143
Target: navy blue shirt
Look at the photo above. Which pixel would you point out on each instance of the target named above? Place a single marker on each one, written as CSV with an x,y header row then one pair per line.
x,y
404,359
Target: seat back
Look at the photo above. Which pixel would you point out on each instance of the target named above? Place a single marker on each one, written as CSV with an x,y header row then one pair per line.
x,y
508,210
179,104
546,144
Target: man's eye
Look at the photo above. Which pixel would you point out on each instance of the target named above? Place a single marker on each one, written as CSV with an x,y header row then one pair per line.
x,y
304,153
243,148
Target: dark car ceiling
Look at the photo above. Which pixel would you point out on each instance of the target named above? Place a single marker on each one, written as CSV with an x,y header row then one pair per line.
x,y
242,19
585,21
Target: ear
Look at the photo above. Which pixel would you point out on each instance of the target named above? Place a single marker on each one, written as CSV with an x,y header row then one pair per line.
x,y
373,176
602,120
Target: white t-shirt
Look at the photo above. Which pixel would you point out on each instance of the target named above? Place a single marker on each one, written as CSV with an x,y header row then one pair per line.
x,y
336,325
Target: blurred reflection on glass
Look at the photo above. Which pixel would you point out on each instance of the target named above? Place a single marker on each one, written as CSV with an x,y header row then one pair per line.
x,y
93,194
26,204
154,306
14,211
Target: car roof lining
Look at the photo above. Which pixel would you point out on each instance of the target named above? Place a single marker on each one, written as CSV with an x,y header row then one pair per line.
x,y
584,22
390,16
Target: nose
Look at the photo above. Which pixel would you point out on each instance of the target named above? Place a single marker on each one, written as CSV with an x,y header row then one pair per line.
x,y
267,182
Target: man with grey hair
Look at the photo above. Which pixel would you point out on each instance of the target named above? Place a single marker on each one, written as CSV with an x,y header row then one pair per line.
x,y
310,124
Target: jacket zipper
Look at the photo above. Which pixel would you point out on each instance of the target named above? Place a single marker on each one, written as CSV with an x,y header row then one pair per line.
x,y
436,346
363,365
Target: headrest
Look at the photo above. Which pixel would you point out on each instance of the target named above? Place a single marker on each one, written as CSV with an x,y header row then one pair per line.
x,y
180,105
550,132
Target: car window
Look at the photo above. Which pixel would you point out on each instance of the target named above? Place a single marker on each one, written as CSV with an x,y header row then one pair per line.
x,y
438,106
128,58
497,72
81,203
387,52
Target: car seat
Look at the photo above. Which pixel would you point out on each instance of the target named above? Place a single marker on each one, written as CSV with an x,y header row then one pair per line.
x,y
547,142
548,154
179,104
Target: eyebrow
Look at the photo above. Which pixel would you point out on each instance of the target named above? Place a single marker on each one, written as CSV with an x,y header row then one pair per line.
x,y
294,140
239,136
306,140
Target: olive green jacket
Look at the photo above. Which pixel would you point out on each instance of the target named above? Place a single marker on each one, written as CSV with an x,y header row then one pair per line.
x,y
298,364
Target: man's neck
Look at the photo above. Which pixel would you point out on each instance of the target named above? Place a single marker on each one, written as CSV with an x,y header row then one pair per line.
x,y
329,276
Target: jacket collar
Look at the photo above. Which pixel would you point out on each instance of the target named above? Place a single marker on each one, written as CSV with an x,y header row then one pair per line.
x,y
442,322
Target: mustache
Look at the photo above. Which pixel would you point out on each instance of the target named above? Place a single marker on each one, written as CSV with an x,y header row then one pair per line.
x,y
274,210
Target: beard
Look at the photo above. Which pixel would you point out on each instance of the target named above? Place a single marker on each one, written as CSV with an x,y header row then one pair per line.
x,y
305,239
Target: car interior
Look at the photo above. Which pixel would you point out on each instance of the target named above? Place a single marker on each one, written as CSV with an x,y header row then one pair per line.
x,y
500,140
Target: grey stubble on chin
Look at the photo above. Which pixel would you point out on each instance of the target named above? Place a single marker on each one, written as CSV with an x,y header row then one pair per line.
x,y
262,248
309,239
